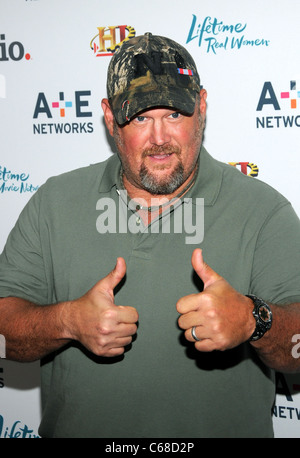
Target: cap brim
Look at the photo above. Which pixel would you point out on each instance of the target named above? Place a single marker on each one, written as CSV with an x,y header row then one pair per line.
x,y
132,103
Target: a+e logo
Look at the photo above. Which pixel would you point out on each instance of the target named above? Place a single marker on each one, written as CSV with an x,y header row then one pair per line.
x,y
61,105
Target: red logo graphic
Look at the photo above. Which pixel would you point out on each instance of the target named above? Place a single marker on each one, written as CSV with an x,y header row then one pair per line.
x,y
244,168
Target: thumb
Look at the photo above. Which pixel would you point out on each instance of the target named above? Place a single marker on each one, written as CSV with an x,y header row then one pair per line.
x,y
109,282
203,270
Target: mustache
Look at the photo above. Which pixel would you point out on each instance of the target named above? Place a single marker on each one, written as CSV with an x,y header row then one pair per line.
x,y
161,149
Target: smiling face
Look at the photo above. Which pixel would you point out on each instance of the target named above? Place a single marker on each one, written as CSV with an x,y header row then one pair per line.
x,y
158,148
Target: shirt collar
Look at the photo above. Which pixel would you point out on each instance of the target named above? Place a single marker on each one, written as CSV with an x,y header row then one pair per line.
x,y
209,179
111,174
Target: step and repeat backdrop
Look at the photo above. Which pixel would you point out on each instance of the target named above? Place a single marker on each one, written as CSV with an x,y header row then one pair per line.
x,y
53,61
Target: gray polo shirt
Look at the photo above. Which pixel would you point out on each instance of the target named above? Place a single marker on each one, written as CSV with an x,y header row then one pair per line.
x,y
69,236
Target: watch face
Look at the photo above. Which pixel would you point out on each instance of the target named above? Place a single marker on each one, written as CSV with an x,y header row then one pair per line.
x,y
264,313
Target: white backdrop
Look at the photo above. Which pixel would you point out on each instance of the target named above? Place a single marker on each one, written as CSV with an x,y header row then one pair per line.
x,y
52,58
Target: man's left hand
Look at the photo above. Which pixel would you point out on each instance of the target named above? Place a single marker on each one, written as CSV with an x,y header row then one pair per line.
x,y
221,316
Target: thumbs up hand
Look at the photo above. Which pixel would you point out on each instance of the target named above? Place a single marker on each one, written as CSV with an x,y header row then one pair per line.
x,y
94,320
220,316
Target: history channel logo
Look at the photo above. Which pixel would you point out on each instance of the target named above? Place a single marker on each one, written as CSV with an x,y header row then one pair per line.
x,y
109,39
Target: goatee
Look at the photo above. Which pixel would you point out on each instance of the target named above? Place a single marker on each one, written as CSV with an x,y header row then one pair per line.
x,y
167,185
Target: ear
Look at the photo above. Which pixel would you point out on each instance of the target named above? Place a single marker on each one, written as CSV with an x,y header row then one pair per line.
x,y
203,105
108,115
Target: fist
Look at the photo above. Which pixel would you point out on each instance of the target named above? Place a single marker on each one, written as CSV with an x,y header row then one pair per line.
x,y
220,316
98,323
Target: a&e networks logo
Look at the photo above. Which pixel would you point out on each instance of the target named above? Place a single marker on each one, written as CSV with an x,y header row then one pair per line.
x,y
109,39
63,113
281,105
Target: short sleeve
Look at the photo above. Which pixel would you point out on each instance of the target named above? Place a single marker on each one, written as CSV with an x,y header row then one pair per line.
x,y
22,272
276,263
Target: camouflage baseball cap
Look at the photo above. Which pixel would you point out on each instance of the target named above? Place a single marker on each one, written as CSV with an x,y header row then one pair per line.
x,y
151,71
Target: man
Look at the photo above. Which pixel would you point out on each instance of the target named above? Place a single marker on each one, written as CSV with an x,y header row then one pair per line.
x,y
165,345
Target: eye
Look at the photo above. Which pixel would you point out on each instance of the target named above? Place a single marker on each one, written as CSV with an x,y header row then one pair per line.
x,y
140,118
175,115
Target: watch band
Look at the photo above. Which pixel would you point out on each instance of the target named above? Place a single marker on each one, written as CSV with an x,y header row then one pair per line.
x,y
263,317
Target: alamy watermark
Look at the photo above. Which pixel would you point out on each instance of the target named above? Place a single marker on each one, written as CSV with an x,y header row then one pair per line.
x,y
296,348
125,216
2,346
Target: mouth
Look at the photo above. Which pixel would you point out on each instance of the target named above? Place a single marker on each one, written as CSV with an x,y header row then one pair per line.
x,y
161,152
161,156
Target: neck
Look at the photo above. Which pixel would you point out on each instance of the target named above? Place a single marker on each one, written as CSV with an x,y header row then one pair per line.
x,y
149,206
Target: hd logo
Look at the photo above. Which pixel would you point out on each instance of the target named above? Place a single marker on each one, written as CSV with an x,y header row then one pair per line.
x,y
286,103
109,39
60,112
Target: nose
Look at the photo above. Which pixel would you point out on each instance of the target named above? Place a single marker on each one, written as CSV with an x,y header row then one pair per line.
x,y
159,133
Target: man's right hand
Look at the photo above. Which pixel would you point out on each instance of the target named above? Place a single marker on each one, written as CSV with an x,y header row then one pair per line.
x,y
97,322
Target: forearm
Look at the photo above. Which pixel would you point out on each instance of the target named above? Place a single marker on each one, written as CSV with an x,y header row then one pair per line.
x,y
277,347
31,331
